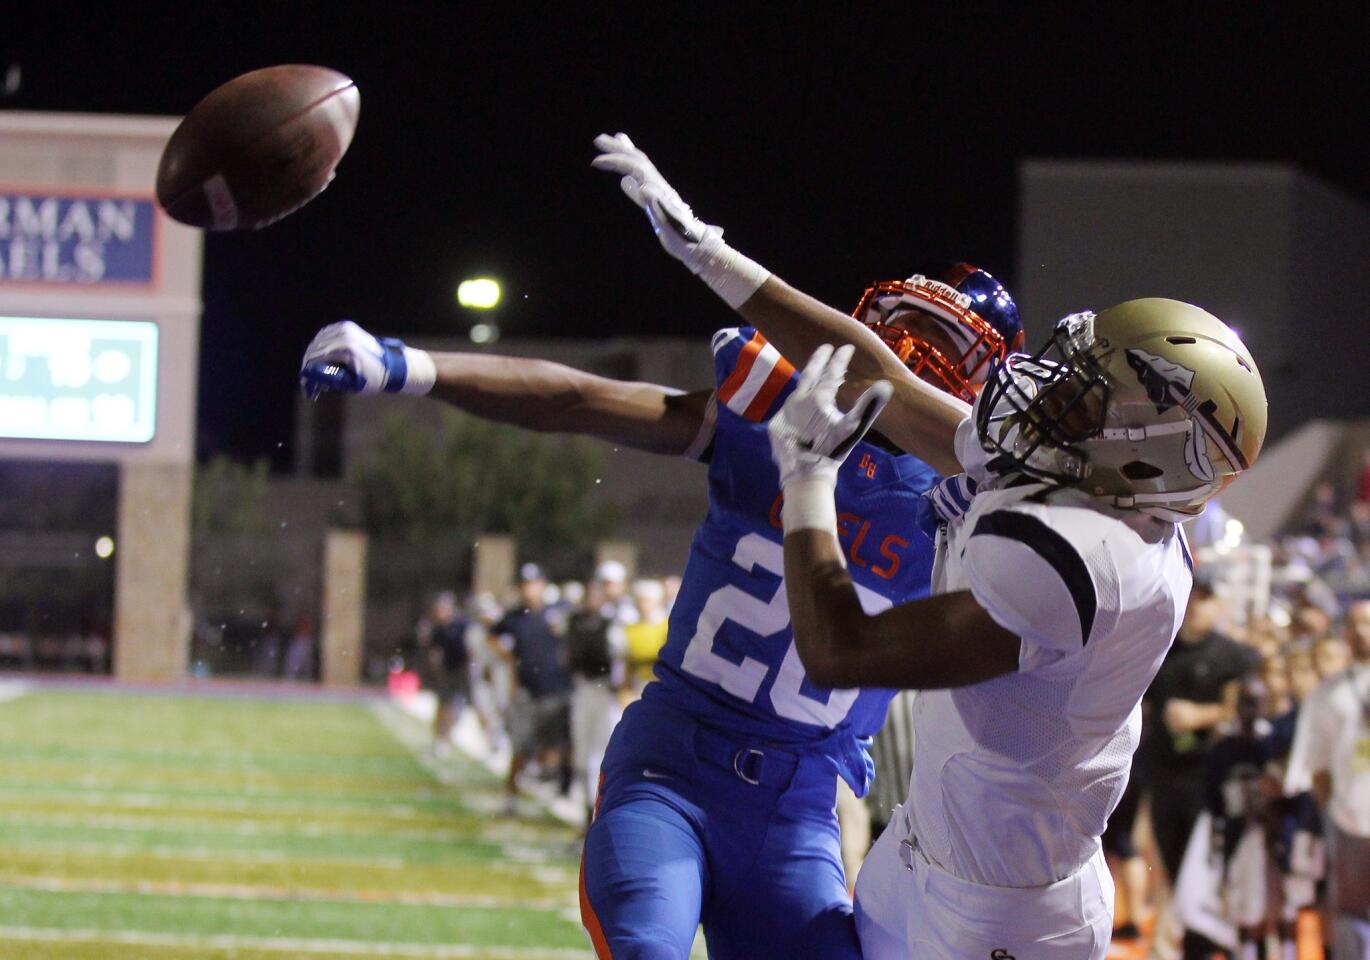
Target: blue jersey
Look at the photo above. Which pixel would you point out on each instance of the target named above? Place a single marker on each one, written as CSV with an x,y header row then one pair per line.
x,y
730,658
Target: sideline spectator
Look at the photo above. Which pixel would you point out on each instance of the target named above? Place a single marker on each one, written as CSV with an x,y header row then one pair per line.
x,y
538,717
595,647
1194,691
445,664
1363,483
613,576
647,636
1243,801
1323,519
300,652
671,585
1331,655
1331,755
490,673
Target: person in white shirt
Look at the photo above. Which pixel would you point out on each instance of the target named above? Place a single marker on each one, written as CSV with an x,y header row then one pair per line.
x,y
1331,757
1061,580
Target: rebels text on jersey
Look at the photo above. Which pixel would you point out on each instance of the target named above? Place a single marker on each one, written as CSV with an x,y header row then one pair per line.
x,y
1096,596
730,657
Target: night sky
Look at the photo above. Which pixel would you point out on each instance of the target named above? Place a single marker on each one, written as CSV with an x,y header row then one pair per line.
x,y
835,147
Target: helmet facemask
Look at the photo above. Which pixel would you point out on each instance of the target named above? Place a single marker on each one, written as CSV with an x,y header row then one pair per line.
x,y
1037,409
977,344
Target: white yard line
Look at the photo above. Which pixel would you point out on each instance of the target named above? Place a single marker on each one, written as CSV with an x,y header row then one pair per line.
x,y
243,797
287,944
202,853
257,892
251,828
542,871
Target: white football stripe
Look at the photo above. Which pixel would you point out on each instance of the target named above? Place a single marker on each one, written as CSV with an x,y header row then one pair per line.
x,y
222,207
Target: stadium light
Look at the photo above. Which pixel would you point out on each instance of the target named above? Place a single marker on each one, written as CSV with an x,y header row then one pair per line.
x,y
104,547
480,293
484,333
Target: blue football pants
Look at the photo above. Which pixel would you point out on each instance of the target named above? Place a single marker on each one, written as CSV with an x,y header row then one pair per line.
x,y
693,826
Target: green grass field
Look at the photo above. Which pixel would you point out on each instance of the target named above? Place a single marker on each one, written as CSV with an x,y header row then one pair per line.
x,y
170,827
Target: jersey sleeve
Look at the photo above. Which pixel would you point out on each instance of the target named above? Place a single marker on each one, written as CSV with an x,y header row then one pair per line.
x,y
1034,581
752,378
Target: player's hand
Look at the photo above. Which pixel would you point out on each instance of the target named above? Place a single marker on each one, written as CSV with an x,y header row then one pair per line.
x,y
685,237
810,436
344,358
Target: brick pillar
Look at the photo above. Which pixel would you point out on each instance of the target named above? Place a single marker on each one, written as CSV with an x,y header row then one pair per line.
x,y
492,568
344,607
152,550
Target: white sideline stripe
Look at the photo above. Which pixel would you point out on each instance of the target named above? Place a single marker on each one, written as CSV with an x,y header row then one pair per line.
x,y
287,944
407,723
260,892
12,689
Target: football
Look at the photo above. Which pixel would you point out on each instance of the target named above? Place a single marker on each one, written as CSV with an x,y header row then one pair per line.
x,y
258,148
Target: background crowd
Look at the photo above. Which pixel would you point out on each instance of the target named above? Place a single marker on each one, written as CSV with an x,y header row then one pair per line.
x,y
546,672
1221,841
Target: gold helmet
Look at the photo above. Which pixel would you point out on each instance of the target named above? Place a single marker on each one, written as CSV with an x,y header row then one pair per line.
x,y
1154,404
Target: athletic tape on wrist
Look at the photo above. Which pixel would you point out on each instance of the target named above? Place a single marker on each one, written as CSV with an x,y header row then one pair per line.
x,y
423,373
809,505
729,274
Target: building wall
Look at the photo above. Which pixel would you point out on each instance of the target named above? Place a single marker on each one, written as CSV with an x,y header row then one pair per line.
x,y
1276,254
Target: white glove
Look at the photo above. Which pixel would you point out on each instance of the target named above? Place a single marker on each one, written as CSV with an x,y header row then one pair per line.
x,y
811,437
344,358
693,242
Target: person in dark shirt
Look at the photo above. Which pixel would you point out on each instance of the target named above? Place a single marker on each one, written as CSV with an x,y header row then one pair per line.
x,y
1242,796
539,719
1194,692
445,662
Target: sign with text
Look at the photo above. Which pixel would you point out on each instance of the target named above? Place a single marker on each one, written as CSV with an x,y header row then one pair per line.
x,y
78,379
76,240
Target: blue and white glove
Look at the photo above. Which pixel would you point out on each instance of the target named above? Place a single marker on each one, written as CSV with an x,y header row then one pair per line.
x,y
810,438
344,358
693,242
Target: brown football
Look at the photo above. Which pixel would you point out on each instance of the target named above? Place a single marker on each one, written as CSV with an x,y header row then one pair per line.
x,y
257,148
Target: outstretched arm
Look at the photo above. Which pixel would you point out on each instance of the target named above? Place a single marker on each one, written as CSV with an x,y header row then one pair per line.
x,y
921,419
944,641
535,394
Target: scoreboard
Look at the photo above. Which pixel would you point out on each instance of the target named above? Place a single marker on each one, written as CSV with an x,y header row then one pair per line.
x,y
78,379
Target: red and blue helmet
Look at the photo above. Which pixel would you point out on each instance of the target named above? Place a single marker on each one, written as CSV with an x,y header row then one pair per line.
x,y
972,308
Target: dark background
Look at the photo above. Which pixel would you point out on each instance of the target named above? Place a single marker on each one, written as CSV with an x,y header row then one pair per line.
x,y
835,144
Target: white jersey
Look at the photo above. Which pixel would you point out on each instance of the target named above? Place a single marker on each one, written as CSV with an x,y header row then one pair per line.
x,y
1014,779
1333,735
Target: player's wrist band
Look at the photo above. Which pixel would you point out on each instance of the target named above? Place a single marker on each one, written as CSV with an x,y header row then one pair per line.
x,y
423,373
809,505
729,274
407,369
